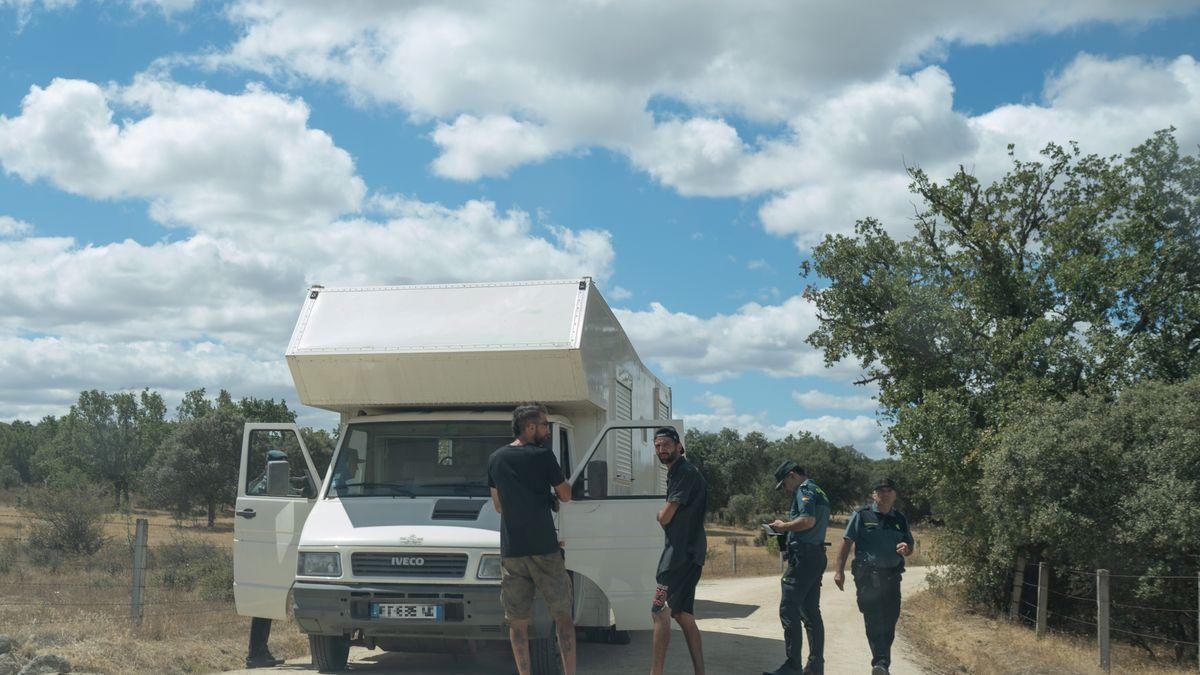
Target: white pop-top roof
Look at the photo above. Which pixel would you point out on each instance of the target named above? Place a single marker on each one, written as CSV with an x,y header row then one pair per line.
x,y
437,346
446,317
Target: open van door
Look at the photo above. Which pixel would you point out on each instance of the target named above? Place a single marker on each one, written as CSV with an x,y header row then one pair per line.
x,y
610,529
277,487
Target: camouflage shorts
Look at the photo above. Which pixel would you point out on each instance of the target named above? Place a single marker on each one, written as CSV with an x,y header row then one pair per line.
x,y
546,573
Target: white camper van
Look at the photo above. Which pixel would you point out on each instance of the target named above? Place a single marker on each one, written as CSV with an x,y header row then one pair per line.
x,y
397,546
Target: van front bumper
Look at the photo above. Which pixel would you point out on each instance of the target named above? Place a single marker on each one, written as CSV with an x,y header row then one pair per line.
x,y
471,612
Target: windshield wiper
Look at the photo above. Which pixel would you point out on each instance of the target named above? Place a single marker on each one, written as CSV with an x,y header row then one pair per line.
x,y
404,489
470,484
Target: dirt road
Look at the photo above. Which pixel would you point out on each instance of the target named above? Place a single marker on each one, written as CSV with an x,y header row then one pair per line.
x,y
739,619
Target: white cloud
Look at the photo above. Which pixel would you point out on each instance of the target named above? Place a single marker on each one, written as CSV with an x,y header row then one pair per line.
x,y
518,83
11,227
619,293
558,70
217,311
756,338
861,431
814,398
491,146
207,160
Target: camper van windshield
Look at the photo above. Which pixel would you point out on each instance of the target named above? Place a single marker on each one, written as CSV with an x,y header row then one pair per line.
x,y
416,459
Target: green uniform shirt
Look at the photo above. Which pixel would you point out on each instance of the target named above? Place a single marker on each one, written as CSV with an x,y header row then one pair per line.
x,y
875,536
810,501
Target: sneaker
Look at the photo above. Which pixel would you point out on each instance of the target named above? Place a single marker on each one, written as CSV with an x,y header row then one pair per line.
x,y
879,670
262,661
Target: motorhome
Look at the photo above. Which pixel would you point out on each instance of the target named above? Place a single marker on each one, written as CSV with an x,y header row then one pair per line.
x,y
397,545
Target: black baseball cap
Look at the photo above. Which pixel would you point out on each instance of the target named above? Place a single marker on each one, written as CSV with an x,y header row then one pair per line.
x,y
784,469
667,432
884,483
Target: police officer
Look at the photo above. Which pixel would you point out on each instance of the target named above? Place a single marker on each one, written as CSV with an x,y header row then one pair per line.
x,y
800,602
881,540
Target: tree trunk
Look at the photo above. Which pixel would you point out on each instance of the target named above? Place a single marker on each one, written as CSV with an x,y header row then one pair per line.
x,y
212,512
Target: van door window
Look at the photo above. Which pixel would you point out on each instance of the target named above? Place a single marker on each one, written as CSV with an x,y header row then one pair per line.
x,y
635,474
275,466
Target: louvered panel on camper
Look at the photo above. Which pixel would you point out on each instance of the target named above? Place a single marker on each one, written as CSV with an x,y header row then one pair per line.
x,y
662,411
623,439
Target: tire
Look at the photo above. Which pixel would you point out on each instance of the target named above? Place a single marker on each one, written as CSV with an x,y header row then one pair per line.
x,y
329,652
543,656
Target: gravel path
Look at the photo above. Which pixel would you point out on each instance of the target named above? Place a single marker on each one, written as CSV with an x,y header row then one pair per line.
x,y
739,620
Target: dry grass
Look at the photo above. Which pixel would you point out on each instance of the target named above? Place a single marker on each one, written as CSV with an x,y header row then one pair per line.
x,y
757,560
78,608
952,637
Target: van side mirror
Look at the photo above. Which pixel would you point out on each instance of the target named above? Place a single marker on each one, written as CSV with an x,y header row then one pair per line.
x,y
595,479
278,478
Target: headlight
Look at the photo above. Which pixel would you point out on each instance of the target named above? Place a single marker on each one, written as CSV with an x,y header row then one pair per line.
x,y
489,567
319,565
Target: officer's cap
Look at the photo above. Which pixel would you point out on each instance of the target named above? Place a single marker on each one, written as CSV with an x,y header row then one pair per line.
x,y
276,456
884,483
784,469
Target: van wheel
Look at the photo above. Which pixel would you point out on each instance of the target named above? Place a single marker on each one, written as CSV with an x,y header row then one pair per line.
x,y
329,652
543,656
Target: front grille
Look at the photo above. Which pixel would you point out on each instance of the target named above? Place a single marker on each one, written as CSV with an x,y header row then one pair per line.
x,y
409,564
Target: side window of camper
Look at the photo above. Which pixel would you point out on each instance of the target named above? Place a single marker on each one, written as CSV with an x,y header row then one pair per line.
x,y
598,480
275,466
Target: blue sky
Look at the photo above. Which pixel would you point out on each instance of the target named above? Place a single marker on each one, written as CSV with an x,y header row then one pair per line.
x,y
175,173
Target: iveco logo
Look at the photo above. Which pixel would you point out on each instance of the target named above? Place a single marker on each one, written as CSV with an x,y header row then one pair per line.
x,y
407,561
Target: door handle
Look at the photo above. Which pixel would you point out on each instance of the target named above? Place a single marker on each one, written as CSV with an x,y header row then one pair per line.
x,y
245,513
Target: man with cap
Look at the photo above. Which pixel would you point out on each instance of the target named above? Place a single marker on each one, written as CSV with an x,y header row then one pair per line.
x,y
682,559
881,540
800,602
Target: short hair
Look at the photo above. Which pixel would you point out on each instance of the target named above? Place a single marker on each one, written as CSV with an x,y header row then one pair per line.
x,y
526,413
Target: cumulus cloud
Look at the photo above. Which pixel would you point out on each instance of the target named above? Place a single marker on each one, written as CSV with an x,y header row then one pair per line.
x,y
474,147
11,227
755,338
816,399
215,311
207,160
861,431
847,99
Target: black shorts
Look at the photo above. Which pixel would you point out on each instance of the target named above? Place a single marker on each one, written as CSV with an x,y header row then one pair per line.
x,y
677,589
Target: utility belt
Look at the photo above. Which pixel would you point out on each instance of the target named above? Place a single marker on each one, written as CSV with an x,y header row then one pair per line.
x,y
798,549
860,569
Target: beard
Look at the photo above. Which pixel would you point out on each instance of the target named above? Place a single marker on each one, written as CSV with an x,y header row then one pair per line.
x,y
670,458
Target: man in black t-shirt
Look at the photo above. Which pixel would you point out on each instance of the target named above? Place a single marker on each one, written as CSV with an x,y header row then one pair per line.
x,y
682,560
525,479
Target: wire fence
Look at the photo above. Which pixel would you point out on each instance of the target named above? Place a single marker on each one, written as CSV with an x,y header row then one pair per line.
x,y
156,591
1061,604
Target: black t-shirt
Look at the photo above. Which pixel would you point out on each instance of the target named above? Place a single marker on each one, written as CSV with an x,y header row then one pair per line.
x,y
686,541
524,475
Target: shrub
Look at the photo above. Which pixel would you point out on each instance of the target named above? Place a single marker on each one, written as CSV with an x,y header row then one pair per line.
x,y
739,508
65,520
190,564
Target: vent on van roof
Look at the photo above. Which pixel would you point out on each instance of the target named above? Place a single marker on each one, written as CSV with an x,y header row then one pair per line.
x,y
457,509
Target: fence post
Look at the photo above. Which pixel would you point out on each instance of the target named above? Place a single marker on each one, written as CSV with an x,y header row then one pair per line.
x,y
1102,609
1014,607
1043,597
139,572
733,557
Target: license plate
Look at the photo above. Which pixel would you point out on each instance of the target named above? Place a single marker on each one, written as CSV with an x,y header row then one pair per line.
x,y
388,610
